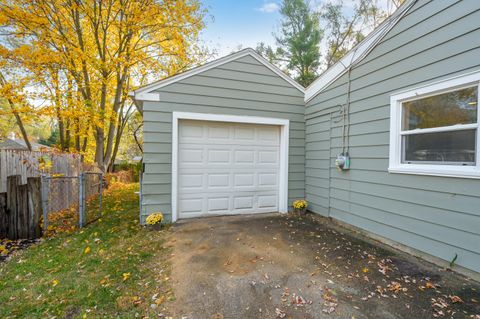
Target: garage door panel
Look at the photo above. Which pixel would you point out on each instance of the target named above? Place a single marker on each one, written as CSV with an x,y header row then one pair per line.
x,y
243,133
267,201
244,156
268,157
227,168
219,180
192,206
243,202
226,142
244,180
189,181
190,156
219,156
218,132
268,179
218,204
191,130
269,134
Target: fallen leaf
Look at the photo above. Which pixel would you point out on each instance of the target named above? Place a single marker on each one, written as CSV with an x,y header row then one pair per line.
x,y
429,285
455,299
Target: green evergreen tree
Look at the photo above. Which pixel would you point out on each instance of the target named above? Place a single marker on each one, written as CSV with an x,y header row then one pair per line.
x,y
299,42
52,140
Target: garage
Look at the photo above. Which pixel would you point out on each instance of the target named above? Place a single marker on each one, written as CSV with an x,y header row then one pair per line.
x,y
227,168
224,138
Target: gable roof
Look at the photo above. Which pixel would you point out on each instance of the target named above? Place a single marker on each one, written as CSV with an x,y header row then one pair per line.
x,y
358,53
145,93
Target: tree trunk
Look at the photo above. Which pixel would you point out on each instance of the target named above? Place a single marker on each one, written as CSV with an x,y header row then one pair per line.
x,y
99,140
117,105
120,128
85,143
67,136
20,125
61,130
136,138
77,134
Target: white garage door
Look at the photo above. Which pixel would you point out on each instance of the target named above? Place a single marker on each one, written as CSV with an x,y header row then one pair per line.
x,y
227,168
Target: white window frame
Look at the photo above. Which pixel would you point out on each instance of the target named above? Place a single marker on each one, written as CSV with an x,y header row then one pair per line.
x,y
445,86
284,125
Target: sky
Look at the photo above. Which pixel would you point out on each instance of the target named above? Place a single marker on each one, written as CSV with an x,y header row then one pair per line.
x,y
234,23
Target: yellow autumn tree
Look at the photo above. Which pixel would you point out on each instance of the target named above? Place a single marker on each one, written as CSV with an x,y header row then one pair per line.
x,y
86,55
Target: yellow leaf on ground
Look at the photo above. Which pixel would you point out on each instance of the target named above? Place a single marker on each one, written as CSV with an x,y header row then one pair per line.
x,y
87,250
55,282
429,285
126,275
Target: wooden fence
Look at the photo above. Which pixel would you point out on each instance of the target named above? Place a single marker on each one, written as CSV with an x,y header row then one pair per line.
x,y
34,164
21,208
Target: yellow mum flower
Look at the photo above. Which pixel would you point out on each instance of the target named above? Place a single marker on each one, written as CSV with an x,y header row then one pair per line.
x,y
155,218
300,204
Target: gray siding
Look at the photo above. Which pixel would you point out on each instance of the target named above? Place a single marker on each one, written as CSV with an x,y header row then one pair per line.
x,y
437,215
240,87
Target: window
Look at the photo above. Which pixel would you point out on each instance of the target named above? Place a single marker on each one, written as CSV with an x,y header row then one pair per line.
x,y
434,129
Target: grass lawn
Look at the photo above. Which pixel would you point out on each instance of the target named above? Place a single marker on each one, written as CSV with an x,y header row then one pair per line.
x,y
113,268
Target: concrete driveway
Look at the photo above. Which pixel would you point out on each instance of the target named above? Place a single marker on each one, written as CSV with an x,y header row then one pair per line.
x,y
283,266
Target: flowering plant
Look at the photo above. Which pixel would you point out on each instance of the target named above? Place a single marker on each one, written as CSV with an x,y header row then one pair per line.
x,y
155,218
300,204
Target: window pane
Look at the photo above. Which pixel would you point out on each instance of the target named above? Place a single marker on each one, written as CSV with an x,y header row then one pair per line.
x,y
458,107
454,147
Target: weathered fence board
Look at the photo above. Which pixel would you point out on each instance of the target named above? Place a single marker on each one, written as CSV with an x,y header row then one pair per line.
x,y
34,185
20,211
12,182
28,164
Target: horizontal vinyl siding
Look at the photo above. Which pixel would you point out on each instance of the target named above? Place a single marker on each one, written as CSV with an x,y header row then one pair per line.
x,y
437,215
317,163
240,87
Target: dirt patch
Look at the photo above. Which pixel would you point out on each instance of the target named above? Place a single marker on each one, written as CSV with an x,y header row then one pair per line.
x,y
283,266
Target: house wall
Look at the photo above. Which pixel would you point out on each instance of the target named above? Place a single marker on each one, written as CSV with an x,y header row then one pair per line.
x,y
241,87
436,215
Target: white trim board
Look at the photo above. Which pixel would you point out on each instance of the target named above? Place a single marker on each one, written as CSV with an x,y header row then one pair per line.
x,y
284,145
145,93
